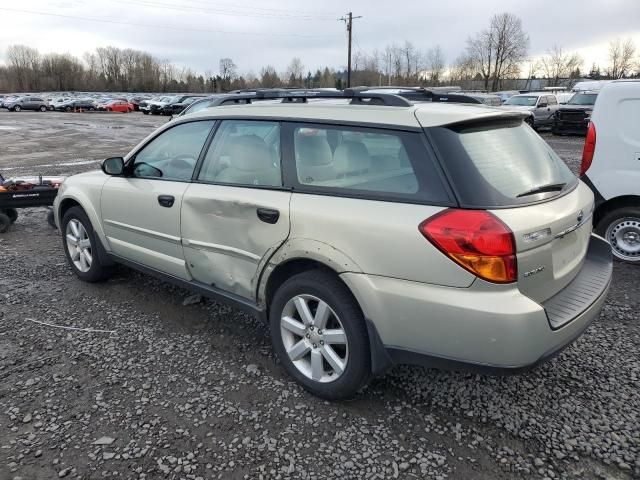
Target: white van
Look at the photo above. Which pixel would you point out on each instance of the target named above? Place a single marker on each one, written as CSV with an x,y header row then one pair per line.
x,y
611,166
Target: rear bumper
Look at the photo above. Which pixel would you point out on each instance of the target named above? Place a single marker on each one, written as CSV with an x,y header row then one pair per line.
x,y
485,327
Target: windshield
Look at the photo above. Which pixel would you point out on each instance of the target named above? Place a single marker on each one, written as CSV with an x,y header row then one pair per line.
x,y
583,99
493,163
527,101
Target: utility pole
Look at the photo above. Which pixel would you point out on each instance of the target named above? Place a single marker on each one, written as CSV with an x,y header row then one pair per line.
x,y
349,21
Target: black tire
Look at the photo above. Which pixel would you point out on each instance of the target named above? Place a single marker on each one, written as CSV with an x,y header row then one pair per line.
x,y
97,271
51,219
17,108
5,222
12,213
614,217
145,112
327,287
67,109
43,108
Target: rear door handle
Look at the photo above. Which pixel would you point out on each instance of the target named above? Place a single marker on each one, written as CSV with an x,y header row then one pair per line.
x,y
268,215
166,200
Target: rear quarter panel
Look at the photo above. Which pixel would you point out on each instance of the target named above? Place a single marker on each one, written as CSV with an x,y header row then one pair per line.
x,y
373,237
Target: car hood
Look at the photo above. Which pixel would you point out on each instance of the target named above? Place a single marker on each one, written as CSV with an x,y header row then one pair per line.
x,y
90,175
519,108
575,108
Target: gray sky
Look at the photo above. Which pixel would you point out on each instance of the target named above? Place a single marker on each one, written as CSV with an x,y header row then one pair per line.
x,y
189,32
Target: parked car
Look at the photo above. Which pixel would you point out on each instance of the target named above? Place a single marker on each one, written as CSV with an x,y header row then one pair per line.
x,y
157,103
173,108
76,104
26,103
118,106
496,266
488,99
507,94
217,100
574,116
611,167
8,99
135,101
541,106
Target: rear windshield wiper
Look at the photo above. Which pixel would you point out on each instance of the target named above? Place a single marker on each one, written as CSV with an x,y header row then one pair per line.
x,y
552,187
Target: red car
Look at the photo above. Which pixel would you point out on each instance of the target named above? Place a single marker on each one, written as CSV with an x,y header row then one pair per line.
x,y
119,106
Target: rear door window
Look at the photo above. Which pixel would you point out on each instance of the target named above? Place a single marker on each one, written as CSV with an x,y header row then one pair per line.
x,y
497,163
355,161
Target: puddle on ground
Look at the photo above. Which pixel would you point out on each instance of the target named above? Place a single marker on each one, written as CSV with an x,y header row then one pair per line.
x,y
90,125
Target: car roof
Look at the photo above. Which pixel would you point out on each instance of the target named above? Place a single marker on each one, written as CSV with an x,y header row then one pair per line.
x,y
420,115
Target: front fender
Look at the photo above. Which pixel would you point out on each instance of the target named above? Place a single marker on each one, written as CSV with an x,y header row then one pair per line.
x,y
88,197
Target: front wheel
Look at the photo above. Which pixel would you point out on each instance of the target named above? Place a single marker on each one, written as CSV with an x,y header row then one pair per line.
x,y
320,336
43,108
80,246
17,108
5,222
621,228
12,213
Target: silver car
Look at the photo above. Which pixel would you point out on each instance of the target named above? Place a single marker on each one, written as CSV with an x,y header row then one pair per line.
x,y
541,106
364,234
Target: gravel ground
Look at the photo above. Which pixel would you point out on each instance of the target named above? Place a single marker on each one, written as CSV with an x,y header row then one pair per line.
x,y
160,385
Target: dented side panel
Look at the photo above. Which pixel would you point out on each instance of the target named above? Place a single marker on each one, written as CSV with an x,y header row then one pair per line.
x,y
225,243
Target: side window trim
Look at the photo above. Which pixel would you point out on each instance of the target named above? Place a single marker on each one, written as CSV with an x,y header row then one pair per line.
x,y
132,158
290,174
209,144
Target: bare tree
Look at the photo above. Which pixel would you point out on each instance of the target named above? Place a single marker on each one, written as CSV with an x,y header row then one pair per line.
x,y
621,57
464,68
557,64
435,64
24,62
499,50
228,72
295,73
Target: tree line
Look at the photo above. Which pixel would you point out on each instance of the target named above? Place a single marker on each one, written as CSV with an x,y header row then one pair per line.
x,y
492,56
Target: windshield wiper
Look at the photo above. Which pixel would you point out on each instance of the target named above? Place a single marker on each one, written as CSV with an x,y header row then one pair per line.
x,y
552,187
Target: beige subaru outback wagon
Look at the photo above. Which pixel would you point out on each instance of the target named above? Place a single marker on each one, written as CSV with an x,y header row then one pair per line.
x,y
367,231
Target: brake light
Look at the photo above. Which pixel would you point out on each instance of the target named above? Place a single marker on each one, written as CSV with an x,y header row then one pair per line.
x,y
476,240
589,148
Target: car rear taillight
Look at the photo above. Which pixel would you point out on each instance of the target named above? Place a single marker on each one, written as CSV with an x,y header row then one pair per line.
x,y
476,240
589,148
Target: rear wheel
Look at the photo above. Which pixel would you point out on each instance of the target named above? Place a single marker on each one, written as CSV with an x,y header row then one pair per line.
x,y
320,336
80,246
67,109
621,228
43,108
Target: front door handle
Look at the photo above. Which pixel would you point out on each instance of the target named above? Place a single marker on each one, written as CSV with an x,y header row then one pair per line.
x,y
166,200
268,215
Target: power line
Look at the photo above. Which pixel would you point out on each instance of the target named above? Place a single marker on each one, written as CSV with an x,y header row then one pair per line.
x,y
252,7
227,12
165,27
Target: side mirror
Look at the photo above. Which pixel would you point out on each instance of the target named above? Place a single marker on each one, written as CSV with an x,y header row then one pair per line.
x,y
113,166
542,105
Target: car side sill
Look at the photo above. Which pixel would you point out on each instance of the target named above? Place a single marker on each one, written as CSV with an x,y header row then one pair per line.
x,y
200,288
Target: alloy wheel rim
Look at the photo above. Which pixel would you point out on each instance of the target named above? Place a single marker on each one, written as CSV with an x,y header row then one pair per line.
x,y
314,338
624,237
79,245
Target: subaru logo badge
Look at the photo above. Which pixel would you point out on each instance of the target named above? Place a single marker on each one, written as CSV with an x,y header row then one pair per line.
x,y
580,216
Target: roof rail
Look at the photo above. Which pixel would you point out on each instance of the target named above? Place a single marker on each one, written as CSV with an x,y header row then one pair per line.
x,y
356,96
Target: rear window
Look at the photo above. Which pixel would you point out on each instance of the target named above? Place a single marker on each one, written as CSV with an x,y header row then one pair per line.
x,y
500,163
